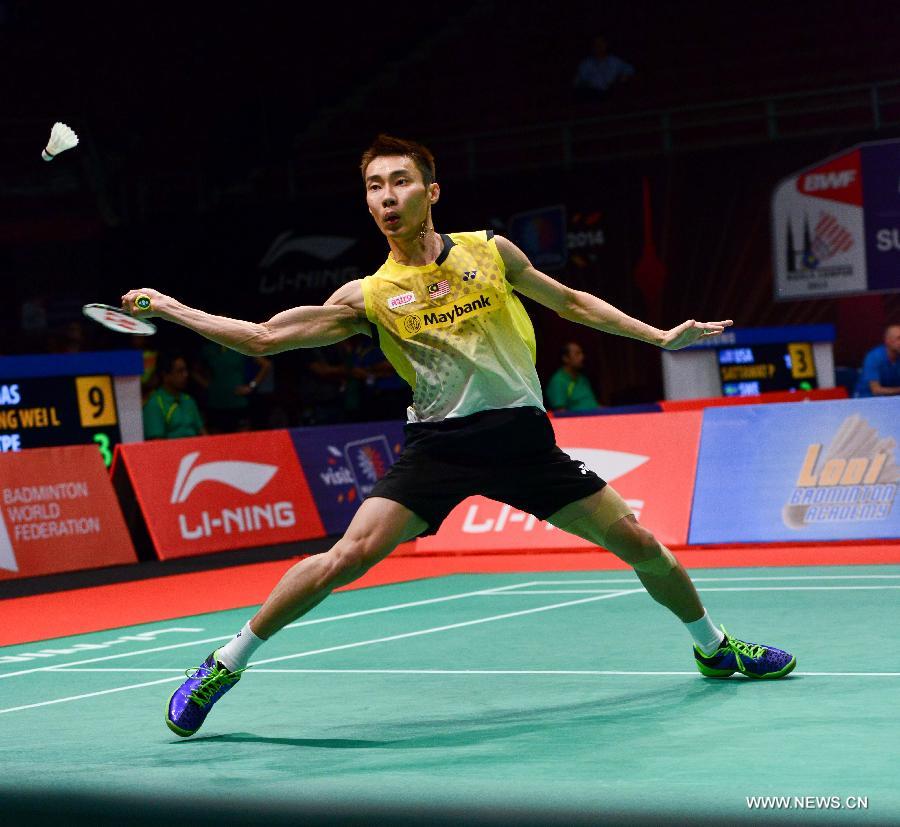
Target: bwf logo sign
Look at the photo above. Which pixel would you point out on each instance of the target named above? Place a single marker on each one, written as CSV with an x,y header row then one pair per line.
x,y
247,477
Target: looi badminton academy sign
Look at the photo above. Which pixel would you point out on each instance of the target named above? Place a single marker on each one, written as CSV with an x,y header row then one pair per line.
x,y
823,471
836,225
58,513
218,493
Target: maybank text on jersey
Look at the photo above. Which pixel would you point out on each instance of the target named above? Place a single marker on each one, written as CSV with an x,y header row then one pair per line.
x,y
465,307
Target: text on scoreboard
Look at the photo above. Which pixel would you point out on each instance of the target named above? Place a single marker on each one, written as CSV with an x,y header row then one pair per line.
x,y
58,410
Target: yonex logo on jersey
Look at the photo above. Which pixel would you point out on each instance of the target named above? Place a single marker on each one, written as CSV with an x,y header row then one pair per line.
x,y
398,301
470,275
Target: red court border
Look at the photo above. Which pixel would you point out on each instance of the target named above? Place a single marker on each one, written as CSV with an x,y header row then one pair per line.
x,y
98,608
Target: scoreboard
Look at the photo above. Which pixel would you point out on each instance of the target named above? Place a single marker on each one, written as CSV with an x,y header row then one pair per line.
x,y
750,361
70,399
755,369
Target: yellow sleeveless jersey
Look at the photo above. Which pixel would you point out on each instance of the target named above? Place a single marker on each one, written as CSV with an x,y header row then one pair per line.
x,y
455,331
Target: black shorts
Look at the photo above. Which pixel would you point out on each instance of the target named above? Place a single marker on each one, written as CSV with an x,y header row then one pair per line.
x,y
508,455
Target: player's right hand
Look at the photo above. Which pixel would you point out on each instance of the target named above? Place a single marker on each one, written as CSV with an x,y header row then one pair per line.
x,y
134,302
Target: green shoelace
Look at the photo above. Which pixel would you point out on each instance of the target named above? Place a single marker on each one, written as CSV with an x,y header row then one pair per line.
x,y
739,647
212,683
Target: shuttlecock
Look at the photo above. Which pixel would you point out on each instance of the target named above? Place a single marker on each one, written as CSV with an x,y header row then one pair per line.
x,y
62,137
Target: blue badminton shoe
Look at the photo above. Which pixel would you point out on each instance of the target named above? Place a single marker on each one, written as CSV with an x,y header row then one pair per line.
x,y
750,659
192,701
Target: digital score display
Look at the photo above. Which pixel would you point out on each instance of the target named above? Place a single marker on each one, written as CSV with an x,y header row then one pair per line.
x,y
39,412
751,370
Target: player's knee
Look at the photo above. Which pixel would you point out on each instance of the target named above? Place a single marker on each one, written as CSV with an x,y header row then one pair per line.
x,y
352,557
633,544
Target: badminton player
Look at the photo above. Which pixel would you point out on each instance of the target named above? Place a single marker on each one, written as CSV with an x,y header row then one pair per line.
x,y
448,318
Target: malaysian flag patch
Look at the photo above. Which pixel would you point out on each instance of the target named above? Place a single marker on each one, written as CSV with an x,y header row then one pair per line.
x,y
439,289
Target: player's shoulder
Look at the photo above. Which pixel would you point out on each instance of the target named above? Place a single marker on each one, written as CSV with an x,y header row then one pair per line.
x,y
472,237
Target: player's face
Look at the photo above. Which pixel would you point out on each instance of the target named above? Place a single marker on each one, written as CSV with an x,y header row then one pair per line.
x,y
397,196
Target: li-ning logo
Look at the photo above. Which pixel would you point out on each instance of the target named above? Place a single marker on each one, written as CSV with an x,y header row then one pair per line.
x,y
856,481
247,477
607,464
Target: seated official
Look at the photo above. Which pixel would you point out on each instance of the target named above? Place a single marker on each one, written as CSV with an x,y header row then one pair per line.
x,y
880,374
569,389
169,412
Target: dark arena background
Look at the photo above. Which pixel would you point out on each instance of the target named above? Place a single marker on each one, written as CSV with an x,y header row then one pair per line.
x,y
680,160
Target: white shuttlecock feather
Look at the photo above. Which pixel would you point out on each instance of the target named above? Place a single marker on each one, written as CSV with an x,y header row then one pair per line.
x,y
62,137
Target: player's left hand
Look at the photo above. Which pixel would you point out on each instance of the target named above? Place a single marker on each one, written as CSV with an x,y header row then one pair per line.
x,y
691,331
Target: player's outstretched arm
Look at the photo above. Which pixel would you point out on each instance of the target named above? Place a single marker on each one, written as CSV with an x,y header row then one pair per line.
x,y
342,316
587,309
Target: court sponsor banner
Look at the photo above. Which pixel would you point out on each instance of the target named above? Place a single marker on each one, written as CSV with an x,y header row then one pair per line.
x,y
798,472
343,462
58,513
207,494
648,458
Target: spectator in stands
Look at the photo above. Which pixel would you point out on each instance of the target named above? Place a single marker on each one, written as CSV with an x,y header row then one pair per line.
x,y
600,72
227,387
880,374
169,412
569,389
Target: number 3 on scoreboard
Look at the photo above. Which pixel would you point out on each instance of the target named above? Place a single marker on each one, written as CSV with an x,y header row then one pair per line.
x,y
803,365
96,403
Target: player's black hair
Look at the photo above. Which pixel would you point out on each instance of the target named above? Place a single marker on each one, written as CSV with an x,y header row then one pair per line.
x,y
389,145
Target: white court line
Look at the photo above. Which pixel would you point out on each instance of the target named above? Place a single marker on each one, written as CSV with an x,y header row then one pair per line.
x,y
87,695
500,589
623,582
346,616
341,647
705,589
486,672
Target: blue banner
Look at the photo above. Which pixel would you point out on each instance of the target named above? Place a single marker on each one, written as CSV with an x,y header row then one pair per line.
x,y
342,464
806,471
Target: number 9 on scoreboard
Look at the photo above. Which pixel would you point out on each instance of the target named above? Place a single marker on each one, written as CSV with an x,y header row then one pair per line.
x,y
96,402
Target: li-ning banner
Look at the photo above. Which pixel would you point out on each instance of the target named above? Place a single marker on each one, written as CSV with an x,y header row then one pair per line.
x,y
218,493
58,513
648,458
836,226
343,463
798,472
